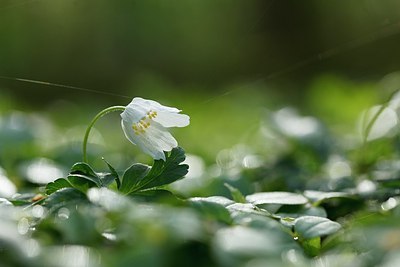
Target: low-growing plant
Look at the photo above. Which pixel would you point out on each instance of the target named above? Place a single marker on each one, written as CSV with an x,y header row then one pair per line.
x,y
310,202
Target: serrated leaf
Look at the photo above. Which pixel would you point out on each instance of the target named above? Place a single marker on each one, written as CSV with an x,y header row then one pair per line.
x,y
132,176
56,185
308,227
163,172
281,198
237,196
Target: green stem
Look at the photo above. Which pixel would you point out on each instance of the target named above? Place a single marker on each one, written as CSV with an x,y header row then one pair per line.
x,y
98,116
376,116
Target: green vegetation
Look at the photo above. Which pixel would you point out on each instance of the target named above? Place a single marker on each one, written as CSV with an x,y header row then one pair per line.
x,y
310,198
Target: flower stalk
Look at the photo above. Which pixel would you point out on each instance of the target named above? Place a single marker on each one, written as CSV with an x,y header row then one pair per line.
x,y
95,119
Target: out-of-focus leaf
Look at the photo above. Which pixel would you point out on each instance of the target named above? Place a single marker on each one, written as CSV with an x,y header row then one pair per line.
x,y
312,246
282,198
319,196
211,209
236,194
308,227
236,244
56,185
156,195
295,211
22,199
63,197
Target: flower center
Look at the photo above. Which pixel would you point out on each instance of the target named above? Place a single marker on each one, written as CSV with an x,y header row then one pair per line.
x,y
141,126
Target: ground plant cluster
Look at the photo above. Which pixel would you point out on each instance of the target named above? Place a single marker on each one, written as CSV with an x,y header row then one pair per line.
x,y
314,199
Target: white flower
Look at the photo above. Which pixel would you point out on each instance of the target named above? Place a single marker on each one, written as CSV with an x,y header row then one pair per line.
x,y
145,124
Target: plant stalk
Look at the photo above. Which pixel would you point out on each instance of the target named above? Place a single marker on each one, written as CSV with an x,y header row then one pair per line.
x,y
95,119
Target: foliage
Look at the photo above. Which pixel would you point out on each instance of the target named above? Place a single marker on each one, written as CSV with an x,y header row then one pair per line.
x,y
312,200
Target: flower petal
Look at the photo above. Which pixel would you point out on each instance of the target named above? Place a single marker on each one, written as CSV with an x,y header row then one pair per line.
x,y
154,105
154,141
142,141
133,113
168,119
161,136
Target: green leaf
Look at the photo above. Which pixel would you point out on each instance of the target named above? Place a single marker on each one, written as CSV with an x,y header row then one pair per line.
x,y
223,201
308,227
166,172
391,182
22,199
83,168
83,177
157,195
63,197
114,173
132,176
210,209
236,194
319,196
106,178
312,246
281,198
246,208
82,182
57,184
161,173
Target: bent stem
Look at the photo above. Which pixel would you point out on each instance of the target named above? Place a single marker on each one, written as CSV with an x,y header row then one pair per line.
x,y
98,116
376,116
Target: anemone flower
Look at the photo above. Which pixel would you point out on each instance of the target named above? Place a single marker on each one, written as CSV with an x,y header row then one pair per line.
x,y
146,122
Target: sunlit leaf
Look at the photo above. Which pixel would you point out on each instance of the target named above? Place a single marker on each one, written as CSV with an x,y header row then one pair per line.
x,y
311,226
282,198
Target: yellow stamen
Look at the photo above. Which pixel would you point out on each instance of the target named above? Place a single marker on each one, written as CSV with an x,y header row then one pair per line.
x,y
141,126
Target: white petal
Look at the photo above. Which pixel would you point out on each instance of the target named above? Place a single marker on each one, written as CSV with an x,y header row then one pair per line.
x,y
153,142
153,105
161,136
128,131
168,119
133,113
142,141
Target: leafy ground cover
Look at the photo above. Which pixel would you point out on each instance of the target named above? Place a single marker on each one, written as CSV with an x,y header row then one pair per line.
x,y
315,199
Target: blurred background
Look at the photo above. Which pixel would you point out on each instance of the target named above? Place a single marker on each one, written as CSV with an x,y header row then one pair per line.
x,y
227,64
